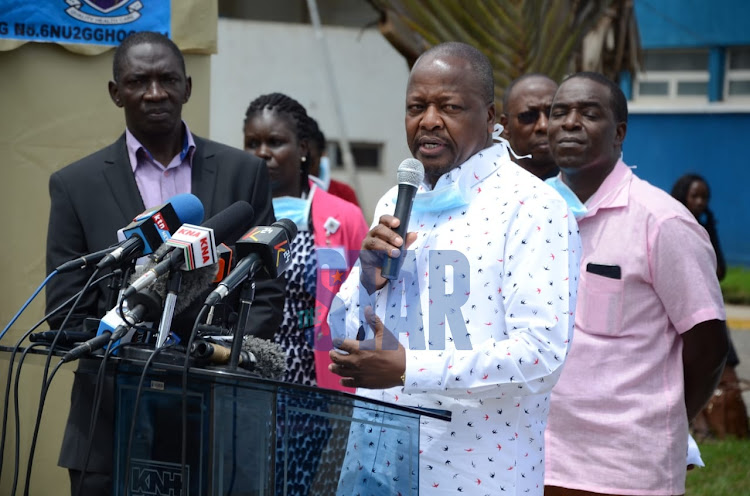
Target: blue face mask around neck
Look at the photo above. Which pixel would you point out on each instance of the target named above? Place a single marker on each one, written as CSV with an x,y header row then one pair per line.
x,y
295,209
438,200
574,203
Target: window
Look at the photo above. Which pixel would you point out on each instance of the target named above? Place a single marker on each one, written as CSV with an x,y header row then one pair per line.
x,y
366,155
673,75
737,80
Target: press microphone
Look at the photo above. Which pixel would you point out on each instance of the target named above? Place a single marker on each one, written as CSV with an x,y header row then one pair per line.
x,y
155,226
263,248
224,262
143,306
220,354
261,356
410,175
227,226
85,261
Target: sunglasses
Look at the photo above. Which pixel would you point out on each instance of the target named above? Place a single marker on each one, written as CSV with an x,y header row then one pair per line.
x,y
531,116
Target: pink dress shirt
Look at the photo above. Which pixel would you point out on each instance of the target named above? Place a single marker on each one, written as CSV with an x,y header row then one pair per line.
x,y
617,421
156,182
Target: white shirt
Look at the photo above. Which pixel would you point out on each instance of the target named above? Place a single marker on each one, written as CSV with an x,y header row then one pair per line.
x,y
484,307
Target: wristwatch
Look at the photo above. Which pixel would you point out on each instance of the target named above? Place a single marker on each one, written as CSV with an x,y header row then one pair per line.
x,y
403,379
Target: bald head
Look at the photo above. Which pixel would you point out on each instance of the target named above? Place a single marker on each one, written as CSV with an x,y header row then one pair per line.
x,y
450,110
526,107
479,65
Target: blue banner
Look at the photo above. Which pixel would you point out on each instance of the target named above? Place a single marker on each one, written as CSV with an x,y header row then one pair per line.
x,y
93,22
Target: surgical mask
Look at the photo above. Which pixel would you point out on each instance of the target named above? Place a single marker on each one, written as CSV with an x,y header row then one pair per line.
x,y
497,131
324,174
295,209
574,203
444,198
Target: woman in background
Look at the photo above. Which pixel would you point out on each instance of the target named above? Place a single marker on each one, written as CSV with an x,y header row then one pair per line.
x,y
278,130
693,191
329,237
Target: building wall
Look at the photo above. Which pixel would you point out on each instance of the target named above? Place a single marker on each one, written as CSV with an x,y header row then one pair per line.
x,y
665,145
693,23
370,77
671,136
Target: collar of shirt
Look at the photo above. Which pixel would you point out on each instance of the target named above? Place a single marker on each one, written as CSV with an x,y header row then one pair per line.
x,y
157,183
613,192
185,156
473,171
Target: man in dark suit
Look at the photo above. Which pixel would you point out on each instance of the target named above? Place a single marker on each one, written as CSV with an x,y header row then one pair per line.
x,y
156,158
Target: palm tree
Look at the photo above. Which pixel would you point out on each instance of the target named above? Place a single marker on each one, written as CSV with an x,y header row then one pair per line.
x,y
553,37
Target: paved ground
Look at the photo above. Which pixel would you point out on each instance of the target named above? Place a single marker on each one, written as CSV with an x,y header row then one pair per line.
x,y
738,320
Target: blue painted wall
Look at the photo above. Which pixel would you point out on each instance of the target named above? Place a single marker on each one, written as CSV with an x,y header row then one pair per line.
x,y
716,146
693,23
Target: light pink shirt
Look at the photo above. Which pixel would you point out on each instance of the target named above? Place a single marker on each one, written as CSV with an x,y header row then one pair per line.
x,y
617,421
156,182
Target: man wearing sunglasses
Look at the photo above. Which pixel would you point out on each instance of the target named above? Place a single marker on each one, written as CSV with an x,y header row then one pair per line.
x,y
526,106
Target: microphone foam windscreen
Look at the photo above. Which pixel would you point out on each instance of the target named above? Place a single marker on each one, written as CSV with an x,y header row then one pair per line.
x,y
194,283
411,171
188,208
270,357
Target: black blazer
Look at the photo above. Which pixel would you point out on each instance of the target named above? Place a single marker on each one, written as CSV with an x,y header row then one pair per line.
x,y
94,197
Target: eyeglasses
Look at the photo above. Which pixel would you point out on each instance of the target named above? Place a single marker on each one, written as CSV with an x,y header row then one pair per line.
x,y
531,116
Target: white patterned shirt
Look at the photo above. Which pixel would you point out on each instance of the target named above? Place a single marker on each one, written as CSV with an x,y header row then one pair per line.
x,y
484,307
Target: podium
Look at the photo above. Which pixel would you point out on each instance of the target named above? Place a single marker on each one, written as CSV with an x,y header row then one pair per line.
x,y
250,436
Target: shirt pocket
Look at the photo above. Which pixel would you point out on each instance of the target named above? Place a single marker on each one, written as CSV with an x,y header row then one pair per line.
x,y
600,304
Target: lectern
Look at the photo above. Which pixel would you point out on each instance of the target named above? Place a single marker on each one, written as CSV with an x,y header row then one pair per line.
x,y
251,436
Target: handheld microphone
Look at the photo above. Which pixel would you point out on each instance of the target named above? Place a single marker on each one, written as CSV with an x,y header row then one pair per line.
x,y
143,306
227,226
410,174
155,226
262,247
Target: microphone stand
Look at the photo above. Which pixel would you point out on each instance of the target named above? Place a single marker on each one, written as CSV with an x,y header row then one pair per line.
x,y
247,295
173,287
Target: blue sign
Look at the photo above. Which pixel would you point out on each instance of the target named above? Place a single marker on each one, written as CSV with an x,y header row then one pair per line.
x,y
93,22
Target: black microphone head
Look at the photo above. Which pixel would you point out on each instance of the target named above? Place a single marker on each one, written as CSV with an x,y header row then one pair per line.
x,y
232,222
411,172
289,225
270,356
151,302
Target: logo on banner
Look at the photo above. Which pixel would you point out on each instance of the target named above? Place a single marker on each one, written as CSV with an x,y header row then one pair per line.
x,y
104,11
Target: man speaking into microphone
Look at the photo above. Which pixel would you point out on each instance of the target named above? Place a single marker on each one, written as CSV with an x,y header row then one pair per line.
x,y
479,317
156,157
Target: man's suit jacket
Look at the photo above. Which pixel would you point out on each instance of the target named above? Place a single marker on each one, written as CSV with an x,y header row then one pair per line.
x,y
94,197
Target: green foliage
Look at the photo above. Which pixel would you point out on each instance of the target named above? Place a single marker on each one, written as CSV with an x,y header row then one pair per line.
x,y
726,472
736,287
519,36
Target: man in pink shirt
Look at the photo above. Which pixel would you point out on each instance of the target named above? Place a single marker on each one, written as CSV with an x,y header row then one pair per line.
x,y
650,340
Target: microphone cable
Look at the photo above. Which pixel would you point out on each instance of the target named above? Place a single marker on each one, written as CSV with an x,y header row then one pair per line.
x,y
46,379
36,430
28,302
138,394
17,454
100,376
16,347
193,333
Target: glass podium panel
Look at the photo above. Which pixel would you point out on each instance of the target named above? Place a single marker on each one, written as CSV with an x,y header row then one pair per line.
x,y
247,436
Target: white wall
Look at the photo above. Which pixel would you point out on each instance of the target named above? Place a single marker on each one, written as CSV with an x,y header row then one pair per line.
x,y
262,57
